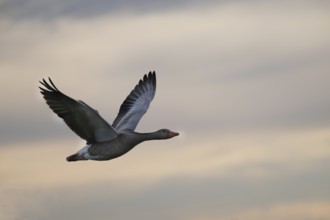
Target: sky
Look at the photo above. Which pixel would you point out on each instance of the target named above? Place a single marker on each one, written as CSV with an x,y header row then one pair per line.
x,y
246,83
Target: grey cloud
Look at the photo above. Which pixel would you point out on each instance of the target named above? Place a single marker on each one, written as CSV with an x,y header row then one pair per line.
x,y
204,87
177,198
49,10
15,129
212,86
276,64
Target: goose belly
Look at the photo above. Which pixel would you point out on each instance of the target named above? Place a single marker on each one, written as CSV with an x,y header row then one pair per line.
x,y
108,150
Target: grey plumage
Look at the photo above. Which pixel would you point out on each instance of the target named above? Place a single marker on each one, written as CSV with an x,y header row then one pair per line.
x,y
104,141
81,118
136,103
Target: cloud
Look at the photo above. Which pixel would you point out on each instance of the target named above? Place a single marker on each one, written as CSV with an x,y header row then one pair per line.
x,y
299,210
268,174
50,10
232,176
232,156
246,83
270,78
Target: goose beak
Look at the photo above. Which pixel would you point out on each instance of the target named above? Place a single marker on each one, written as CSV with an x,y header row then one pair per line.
x,y
172,134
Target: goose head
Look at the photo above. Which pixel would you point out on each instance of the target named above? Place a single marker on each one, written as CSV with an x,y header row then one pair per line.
x,y
166,134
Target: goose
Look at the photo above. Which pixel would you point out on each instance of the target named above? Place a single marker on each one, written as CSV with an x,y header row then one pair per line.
x,y
105,141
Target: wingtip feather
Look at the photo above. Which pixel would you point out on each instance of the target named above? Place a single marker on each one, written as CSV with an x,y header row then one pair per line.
x,y
48,86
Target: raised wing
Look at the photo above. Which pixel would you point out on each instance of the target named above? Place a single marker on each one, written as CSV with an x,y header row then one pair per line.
x,y
81,118
136,103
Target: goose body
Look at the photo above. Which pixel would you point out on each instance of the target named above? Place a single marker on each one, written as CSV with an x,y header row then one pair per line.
x,y
105,141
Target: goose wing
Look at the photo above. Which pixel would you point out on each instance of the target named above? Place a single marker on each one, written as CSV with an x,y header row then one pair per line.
x,y
81,118
136,104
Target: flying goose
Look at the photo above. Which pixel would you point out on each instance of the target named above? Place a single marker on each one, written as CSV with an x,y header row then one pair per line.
x,y
105,141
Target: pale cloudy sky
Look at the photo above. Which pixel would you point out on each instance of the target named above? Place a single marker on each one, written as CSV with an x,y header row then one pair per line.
x,y
246,83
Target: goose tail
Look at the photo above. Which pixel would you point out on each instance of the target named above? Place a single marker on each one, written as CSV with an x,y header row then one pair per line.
x,y
75,157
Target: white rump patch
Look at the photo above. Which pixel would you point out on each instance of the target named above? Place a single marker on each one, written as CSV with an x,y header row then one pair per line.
x,y
84,150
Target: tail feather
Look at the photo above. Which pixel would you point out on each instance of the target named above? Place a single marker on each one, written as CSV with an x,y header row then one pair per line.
x,y
75,157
